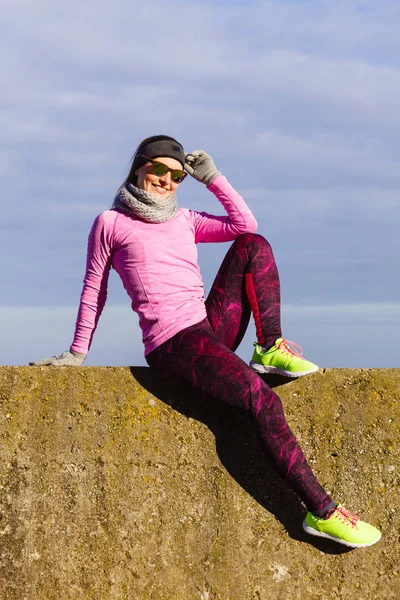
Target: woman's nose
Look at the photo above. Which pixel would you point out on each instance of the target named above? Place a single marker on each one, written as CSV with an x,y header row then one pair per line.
x,y
166,178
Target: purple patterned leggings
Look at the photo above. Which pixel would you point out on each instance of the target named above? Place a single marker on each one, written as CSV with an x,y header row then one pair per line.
x,y
203,356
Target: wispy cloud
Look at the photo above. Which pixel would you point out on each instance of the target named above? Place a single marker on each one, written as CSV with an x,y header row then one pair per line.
x,y
296,101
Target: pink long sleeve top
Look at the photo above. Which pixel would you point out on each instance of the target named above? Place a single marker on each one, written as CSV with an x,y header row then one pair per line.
x,y
158,265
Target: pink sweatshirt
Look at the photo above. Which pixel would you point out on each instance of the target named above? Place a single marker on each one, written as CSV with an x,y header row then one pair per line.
x,y
157,263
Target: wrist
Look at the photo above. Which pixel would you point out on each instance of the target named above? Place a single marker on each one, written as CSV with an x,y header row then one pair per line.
x,y
208,181
212,179
77,354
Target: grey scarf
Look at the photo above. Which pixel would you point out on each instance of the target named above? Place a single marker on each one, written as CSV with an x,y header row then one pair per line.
x,y
142,205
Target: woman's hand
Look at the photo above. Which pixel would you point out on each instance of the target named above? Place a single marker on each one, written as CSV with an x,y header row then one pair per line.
x,y
66,359
201,166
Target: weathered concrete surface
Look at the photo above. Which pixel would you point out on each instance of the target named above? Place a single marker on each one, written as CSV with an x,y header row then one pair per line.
x,y
114,486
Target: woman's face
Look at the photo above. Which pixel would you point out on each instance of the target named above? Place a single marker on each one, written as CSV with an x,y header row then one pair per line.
x,y
159,187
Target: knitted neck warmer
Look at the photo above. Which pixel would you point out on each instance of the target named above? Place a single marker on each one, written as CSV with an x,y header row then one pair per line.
x,y
140,204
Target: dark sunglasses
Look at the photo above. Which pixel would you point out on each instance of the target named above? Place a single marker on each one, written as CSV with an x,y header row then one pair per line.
x,y
159,169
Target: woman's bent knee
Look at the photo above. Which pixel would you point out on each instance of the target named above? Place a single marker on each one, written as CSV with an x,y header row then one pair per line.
x,y
254,240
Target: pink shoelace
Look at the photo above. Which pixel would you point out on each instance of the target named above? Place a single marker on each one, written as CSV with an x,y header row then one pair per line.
x,y
344,515
290,348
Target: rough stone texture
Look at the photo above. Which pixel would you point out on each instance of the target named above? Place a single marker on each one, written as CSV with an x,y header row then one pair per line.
x,y
117,486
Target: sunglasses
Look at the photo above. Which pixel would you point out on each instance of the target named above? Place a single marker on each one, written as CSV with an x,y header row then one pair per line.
x,y
159,169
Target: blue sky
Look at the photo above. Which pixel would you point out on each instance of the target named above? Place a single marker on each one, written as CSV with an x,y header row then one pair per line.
x,y
296,101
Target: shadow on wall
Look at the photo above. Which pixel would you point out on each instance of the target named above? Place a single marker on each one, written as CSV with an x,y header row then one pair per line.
x,y
239,450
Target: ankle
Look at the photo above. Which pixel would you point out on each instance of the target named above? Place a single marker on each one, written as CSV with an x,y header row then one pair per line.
x,y
268,343
322,512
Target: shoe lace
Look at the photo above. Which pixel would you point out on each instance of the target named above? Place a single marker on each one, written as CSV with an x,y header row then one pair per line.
x,y
344,515
290,348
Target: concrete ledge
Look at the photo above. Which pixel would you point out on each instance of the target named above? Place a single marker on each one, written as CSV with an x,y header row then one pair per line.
x,y
115,486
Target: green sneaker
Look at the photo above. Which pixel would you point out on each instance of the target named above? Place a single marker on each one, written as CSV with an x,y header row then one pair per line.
x,y
343,527
282,359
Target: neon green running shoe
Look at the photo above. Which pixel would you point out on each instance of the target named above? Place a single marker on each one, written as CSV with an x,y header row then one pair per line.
x,y
283,358
341,526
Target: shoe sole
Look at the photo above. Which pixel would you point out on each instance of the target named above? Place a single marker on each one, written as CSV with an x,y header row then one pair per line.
x,y
263,369
317,533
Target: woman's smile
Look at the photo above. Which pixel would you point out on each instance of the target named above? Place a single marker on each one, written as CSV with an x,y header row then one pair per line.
x,y
160,189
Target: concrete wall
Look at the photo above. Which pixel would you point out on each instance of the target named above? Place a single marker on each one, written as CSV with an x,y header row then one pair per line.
x,y
115,486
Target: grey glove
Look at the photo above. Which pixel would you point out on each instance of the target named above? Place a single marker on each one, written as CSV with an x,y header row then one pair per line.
x,y
66,359
201,166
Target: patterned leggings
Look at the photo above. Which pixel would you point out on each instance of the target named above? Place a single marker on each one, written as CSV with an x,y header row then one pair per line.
x,y
203,356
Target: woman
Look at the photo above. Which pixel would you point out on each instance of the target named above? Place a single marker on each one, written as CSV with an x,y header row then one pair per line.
x,y
151,243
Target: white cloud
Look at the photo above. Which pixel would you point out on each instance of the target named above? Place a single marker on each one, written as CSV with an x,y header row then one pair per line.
x,y
297,102
351,154
355,85
365,203
85,77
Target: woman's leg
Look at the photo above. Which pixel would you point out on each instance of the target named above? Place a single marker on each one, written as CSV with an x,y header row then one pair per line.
x,y
247,282
196,357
